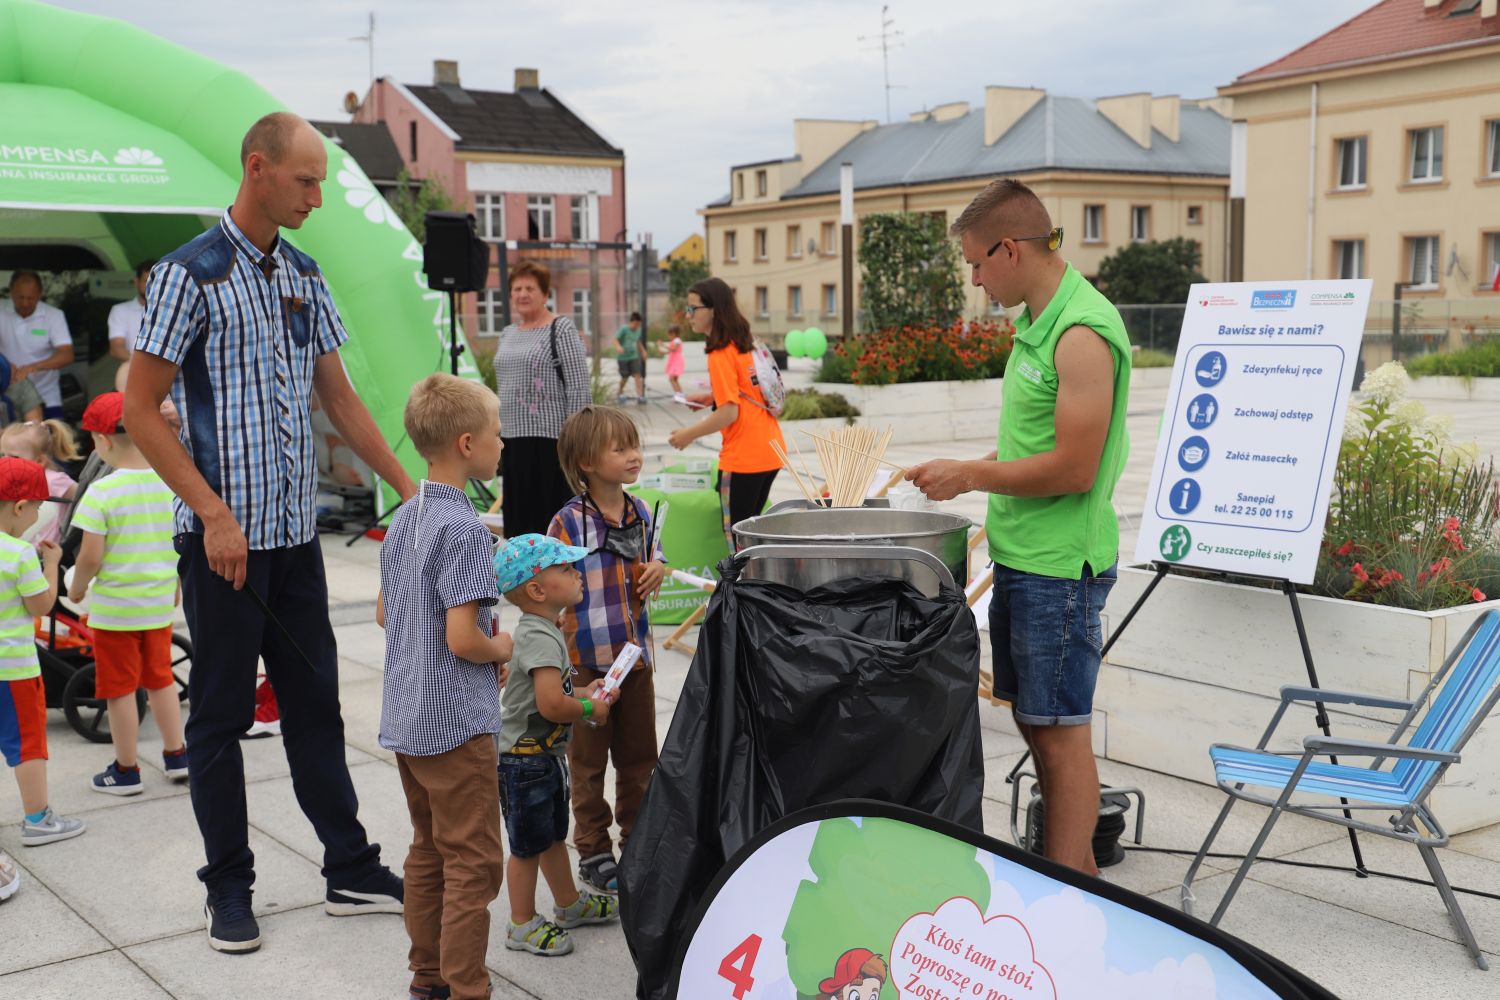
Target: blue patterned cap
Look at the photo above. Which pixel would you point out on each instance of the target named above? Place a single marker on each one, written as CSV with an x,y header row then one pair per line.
x,y
524,556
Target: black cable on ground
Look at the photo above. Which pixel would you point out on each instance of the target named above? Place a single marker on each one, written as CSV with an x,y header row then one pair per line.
x,y
1312,864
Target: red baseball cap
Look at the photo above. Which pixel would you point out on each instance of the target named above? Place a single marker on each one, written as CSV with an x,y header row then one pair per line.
x,y
106,414
23,480
846,971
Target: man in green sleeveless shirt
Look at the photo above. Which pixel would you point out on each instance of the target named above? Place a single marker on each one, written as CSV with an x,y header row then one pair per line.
x,y
1051,524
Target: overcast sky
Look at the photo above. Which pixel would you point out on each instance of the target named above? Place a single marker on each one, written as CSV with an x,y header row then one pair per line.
x,y
687,89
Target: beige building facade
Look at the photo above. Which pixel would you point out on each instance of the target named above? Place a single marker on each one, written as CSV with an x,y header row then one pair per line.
x,y
1111,172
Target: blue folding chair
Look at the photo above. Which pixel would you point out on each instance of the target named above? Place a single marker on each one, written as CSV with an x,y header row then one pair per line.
x,y
1462,694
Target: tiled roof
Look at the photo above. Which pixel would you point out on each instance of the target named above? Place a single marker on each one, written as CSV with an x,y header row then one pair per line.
x,y
1388,30
530,121
371,146
1059,133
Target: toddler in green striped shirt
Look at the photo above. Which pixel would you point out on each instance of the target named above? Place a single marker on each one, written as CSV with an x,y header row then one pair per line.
x,y
128,557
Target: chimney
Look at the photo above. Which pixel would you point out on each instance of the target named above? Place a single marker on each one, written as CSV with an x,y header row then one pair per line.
x,y
1432,5
528,79
1131,113
951,110
1004,106
816,139
445,72
1488,9
1166,116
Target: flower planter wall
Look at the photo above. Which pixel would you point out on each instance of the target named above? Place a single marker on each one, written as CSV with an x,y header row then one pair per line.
x,y
1450,387
1203,662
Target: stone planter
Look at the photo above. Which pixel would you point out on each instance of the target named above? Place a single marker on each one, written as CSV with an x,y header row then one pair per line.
x,y
920,412
1203,663
1451,387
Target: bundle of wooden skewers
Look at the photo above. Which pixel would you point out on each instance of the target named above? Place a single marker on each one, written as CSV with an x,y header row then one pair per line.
x,y
849,457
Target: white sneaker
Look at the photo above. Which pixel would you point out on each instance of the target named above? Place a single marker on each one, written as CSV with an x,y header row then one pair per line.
x,y
10,877
258,729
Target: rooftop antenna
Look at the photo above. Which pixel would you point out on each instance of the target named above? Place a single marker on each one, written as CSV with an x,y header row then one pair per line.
x,y
369,39
887,38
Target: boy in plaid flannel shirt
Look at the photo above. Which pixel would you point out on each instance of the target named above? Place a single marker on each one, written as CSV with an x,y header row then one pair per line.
x,y
600,452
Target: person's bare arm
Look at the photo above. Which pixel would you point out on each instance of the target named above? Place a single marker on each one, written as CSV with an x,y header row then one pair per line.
x,y
1085,404
118,349
223,540
556,705
41,603
711,424
380,609
467,642
86,566
347,412
60,358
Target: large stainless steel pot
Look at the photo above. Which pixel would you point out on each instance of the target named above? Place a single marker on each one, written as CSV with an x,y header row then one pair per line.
x,y
941,534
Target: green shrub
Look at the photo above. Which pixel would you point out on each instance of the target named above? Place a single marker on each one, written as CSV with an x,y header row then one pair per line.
x,y
1146,358
837,366
1481,361
810,404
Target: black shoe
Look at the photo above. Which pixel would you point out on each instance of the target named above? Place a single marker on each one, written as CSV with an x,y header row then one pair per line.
x,y
429,992
231,925
381,891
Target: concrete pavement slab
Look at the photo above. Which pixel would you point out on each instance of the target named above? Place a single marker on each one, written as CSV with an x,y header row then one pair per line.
x,y
39,928
382,809
109,975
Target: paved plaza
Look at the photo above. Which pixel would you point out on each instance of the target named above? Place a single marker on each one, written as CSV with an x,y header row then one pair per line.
x,y
117,913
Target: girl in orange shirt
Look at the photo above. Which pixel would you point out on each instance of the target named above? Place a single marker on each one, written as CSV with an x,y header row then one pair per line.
x,y
747,462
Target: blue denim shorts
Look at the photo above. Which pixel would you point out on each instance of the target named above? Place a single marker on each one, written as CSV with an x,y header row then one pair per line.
x,y
1046,636
534,801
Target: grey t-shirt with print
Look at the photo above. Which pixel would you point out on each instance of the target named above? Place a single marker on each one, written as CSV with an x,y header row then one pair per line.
x,y
538,643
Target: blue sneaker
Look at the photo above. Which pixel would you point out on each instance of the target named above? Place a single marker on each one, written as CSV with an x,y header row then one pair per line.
x,y
115,780
175,764
231,925
381,891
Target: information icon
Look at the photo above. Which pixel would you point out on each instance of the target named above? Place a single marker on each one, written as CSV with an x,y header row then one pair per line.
x,y
1193,454
1185,495
1211,369
1175,543
1202,411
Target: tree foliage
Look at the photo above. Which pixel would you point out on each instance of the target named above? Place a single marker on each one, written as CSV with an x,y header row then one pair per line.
x,y
412,200
682,274
1151,273
909,271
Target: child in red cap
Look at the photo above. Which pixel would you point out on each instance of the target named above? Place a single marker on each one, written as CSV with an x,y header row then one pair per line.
x,y
26,590
858,975
127,554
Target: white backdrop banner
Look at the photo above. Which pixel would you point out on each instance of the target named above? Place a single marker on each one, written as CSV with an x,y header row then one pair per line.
x,y
1252,426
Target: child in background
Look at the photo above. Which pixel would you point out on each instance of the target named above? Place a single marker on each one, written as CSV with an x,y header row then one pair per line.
x,y
676,364
536,575
26,590
127,554
600,452
443,671
49,443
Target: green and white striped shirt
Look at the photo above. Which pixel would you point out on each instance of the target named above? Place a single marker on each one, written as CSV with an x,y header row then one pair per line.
x,y
136,588
20,576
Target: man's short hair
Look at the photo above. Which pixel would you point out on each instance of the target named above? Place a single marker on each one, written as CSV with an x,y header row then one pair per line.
x,y
22,275
441,407
587,434
271,137
1006,204
144,267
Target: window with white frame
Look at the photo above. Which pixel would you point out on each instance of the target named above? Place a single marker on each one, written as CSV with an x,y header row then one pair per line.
x,y
794,300
1426,153
1492,147
794,242
1140,223
1349,258
731,247
1422,255
583,310
1195,215
489,211
1093,223
762,301
830,300
578,212
762,245
760,183
1351,160
1492,258
489,306
540,224
830,238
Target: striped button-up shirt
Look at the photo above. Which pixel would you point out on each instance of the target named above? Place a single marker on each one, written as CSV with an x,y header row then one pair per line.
x,y
245,329
611,612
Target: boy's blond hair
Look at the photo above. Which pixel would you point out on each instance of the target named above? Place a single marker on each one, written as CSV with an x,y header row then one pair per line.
x,y
441,407
587,434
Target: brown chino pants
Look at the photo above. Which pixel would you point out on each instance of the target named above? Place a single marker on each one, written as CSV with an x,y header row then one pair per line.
x,y
454,866
628,738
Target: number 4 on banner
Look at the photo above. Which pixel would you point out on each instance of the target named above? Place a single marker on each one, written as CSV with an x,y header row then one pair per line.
x,y
738,965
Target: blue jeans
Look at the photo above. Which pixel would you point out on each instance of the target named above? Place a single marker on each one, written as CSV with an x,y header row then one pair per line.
x,y
534,801
1046,637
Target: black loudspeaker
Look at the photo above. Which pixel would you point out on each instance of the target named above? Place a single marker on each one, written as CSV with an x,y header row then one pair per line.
x,y
455,259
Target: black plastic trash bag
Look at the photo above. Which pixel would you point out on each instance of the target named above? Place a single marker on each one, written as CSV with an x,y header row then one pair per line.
x,y
863,688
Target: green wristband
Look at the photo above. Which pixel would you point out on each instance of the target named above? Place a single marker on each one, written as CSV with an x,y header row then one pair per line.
x,y
588,707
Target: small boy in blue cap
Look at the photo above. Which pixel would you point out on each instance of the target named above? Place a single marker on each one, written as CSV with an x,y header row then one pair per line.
x,y
538,709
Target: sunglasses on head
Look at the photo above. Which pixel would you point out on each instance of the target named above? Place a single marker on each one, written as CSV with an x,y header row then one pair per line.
x,y
1054,238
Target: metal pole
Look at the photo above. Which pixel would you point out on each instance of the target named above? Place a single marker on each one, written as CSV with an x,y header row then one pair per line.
x,y
453,349
846,214
1396,323
504,266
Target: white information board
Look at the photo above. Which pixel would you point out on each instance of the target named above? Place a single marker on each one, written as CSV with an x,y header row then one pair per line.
x,y
1252,426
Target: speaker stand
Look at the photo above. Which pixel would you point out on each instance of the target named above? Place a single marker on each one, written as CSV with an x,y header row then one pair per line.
x,y
454,347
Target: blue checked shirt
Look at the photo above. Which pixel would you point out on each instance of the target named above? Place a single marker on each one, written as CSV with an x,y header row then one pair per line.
x,y
244,329
436,555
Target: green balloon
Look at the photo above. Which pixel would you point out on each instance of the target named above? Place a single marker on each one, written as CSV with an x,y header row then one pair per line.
x,y
814,342
796,343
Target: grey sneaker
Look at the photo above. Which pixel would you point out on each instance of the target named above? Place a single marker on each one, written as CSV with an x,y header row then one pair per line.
x,y
52,828
10,877
538,936
589,909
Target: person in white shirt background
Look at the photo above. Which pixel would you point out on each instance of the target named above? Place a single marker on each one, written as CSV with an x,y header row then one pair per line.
x,y
125,322
35,337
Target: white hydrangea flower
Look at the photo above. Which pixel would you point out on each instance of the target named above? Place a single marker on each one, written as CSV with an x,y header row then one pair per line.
x,y
1386,384
1354,424
1412,413
1439,427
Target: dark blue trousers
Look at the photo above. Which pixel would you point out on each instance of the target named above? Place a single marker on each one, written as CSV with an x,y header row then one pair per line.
x,y
230,636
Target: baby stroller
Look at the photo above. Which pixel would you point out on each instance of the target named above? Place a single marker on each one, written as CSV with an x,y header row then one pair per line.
x,y
65,642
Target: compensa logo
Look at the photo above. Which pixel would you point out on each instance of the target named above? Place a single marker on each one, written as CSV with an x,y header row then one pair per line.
x,y
1273,298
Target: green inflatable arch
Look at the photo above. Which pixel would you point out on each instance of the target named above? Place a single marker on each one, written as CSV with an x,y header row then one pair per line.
x,y
124,143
